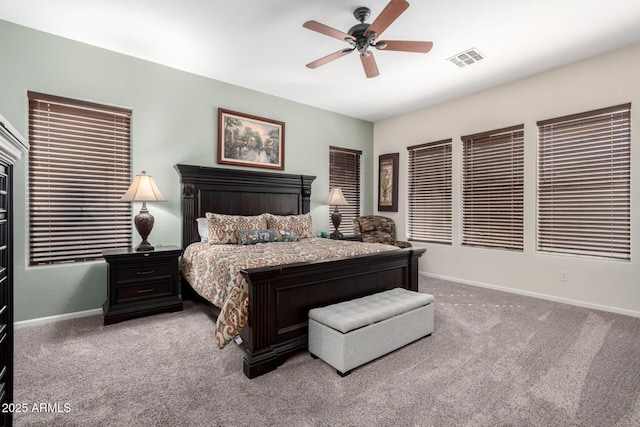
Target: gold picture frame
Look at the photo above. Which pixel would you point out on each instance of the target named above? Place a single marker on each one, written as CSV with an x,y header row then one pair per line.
x,y
247,140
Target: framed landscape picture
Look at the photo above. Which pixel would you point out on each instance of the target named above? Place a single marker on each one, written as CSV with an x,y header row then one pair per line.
x,y
246,140
388,182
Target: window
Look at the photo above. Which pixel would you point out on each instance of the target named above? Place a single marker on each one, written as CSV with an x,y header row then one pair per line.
x,y
492,188
344,172
79,167
430,192
584,181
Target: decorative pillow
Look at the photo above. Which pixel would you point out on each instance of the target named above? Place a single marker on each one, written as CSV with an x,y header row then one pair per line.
x,y
303,224
223,229
203,228
251,237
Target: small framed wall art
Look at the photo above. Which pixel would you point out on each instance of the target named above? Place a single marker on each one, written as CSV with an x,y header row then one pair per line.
x,y
246,140
388,182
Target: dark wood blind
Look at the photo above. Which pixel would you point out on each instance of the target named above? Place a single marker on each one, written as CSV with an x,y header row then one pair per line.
x,y
430,192
79,167
493,188
344,172
584,184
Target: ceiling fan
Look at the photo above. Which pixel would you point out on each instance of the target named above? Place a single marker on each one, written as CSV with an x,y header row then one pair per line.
x,y
363,36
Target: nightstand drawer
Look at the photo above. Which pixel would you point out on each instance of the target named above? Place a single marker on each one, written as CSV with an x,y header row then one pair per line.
x,y
142,272
139,292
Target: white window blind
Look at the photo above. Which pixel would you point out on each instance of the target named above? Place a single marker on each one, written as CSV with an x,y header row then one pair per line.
x,y
584,184
344,172
79,167
430,192
492,188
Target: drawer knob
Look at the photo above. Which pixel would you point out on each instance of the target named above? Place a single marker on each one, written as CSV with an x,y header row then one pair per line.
x,y
144,291
141,273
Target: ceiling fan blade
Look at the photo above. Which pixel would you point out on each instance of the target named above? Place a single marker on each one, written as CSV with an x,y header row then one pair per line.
x,y
404,46
326,30
389,14
370,66
332,56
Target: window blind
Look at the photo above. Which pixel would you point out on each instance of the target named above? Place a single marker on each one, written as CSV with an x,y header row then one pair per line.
x,y
430,192
584,184
79,167
492,188
344,172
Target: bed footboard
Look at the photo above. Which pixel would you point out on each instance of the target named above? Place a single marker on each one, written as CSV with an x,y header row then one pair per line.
x,y
280,298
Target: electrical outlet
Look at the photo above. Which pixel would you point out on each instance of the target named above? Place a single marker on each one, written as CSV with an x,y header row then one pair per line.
x,y
564,276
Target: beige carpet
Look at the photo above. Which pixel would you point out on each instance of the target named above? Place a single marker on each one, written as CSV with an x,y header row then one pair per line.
x,y
494,359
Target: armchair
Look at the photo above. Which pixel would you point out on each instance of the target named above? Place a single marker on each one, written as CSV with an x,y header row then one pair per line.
x,y
377,229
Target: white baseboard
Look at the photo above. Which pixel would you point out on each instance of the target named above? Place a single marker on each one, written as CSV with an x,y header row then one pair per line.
x,y
610,309
56,318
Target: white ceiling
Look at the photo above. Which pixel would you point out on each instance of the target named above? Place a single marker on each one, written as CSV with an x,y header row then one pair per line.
x,y
262,45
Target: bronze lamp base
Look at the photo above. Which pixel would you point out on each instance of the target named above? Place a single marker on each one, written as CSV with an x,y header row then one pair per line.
x,y
144,225
336,218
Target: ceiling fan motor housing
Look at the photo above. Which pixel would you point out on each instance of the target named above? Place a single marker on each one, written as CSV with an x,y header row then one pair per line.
x,y
362,42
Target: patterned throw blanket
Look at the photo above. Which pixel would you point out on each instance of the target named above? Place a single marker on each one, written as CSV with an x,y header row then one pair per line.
x,y
213,271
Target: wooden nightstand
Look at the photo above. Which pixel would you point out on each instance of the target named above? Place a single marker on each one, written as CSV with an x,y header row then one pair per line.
x,y
141,283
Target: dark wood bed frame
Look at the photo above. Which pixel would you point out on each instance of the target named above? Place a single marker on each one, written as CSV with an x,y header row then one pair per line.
x,y
280,297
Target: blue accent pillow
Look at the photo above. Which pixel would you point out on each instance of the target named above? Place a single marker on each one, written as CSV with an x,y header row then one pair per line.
x,y
251,237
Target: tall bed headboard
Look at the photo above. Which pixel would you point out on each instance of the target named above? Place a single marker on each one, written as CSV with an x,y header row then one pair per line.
x,y
238,192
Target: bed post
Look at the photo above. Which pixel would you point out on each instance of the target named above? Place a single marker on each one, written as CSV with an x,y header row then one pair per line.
x,y
413,269
188,211
306,192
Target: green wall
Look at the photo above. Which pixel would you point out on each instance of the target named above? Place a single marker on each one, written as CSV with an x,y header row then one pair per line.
x,y
174,121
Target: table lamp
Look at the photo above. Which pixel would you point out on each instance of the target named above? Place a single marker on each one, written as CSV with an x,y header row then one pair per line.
x,y
336,198
143,189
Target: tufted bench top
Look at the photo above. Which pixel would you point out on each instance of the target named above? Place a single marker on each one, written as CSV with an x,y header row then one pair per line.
x,y
349,315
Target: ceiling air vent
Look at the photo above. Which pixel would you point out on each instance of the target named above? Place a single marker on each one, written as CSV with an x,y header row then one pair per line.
x,y
467,57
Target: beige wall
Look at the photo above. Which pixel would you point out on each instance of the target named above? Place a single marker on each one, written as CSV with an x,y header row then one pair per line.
x,y
600,82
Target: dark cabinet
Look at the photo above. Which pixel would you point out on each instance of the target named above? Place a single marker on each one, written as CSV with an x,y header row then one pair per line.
x,y
12,145
6,292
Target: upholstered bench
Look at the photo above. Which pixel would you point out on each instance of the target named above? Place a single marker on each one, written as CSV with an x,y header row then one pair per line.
x,y
352,333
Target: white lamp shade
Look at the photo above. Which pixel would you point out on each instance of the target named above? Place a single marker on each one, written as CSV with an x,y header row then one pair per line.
x,y
336,197
143,189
